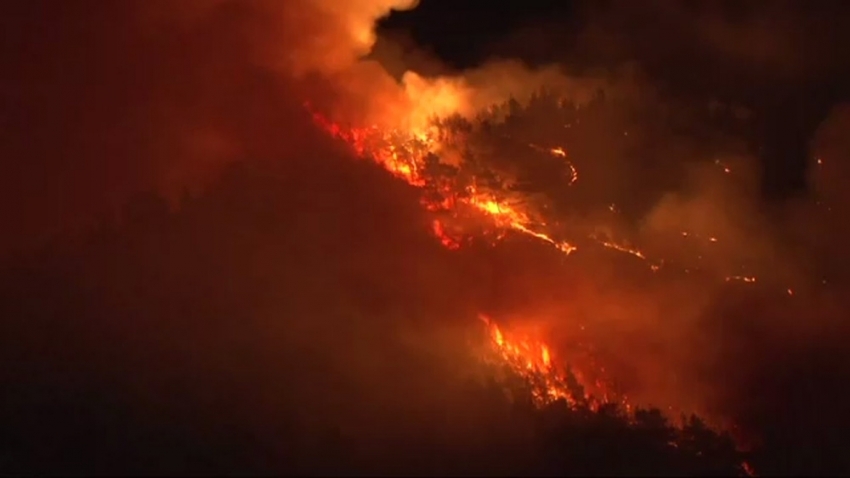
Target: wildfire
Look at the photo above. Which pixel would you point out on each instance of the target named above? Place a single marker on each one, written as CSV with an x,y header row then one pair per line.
x,y
551,380
455,194
533,360
408,155
402,154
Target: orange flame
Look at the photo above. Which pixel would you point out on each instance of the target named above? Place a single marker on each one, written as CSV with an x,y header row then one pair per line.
x,y
405,155
446,240
532,360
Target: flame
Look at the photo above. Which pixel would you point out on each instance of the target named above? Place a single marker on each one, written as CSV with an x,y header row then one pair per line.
x,y
405,154
407,149
532,359
622,248
446,240
559,152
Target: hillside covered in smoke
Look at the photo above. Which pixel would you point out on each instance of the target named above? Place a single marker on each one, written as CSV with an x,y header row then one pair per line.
x,y
237,334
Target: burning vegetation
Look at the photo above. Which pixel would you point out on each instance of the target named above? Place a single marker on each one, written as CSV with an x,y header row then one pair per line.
x,y
481,167
529,374
479,193
489,177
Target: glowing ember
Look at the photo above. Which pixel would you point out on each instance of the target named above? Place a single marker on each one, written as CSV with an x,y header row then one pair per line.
x,y
446,240
560,153
624,249
746,279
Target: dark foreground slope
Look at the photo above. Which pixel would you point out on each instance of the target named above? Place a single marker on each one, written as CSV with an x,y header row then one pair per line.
x,y
280,323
